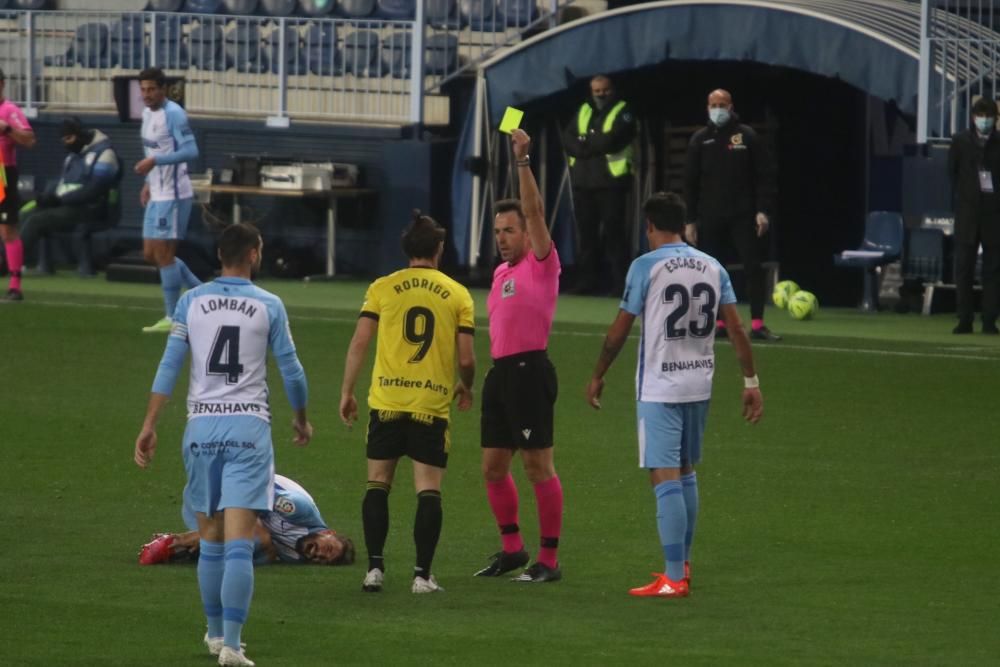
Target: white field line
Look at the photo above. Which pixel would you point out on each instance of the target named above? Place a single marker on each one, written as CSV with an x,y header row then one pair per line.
x,y
593,334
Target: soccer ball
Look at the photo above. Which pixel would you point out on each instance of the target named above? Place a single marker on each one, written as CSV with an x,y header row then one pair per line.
x,y
803,305
783,291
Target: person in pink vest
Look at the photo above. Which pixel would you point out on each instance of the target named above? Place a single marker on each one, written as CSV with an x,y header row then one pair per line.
x,y
14,131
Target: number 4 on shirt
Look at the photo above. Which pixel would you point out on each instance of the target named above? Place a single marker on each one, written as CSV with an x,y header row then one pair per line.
x,y
225,356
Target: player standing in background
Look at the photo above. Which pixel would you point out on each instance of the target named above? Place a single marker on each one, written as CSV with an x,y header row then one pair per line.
x,y
228,324
678,292
14,131
168,143
423,321
519,392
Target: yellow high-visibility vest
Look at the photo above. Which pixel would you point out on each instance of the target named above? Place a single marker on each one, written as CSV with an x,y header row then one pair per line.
x,y
620,163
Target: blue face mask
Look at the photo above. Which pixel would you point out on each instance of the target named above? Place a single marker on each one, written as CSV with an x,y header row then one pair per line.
x,y
719,116
984,124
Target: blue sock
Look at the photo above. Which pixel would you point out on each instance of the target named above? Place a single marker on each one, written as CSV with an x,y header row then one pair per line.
x,y
210,569
671,520
170,281
188,279
237,589
689,482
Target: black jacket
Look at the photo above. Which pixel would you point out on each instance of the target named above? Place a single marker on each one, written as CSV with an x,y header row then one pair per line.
x,y
727,173
975,211
591,168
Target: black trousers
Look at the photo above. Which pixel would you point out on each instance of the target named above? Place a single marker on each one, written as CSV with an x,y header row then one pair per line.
x,y
603,234
719,237
965,275
42,222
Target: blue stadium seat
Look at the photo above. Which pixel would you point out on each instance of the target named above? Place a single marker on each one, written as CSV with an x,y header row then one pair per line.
x,y
128,42
883,243
240,7
206,46
517,13
396,53
361,54
203,6
169,47
356,9
443,14
322,55
245,49
480,15
165,5
317,7
278,7
441,54
90,45
295,57
29,5
396,10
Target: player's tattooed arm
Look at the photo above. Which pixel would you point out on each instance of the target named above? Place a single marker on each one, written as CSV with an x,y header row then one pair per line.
x,y
613,344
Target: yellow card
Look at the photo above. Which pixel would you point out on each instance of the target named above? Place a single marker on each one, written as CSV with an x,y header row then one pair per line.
x,y
511,120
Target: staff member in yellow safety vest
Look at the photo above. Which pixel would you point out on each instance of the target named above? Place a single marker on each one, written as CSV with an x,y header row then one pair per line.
x,y
598,142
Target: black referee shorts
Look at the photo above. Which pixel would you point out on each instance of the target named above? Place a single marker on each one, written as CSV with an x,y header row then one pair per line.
x,y
519,397
393,435
11,204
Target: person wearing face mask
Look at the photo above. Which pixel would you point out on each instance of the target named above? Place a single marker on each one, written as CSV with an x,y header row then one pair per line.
x,y
728,187
598,143
91,172
974,168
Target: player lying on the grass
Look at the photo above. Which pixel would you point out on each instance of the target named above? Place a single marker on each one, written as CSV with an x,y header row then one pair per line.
x,y
292,532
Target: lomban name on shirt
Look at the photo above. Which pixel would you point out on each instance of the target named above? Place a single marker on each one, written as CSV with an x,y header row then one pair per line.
x,y
235,305
422,283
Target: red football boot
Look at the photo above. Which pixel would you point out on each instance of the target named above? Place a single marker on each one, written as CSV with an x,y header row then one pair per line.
x,y
662,587
157,551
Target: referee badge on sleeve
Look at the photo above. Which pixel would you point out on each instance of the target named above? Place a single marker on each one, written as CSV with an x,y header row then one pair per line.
x,y
508,288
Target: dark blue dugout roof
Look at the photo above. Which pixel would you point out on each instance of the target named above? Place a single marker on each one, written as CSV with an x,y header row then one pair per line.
x,y
871,44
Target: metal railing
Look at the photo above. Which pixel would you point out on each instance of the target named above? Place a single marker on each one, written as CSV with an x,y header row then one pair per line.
x,y
355,70
959,62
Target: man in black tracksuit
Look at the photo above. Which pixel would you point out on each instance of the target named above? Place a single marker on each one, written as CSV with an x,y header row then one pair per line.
x,y
974,170
598,141
728,187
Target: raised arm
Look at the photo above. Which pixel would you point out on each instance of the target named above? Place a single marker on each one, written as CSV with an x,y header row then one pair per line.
x,y
531,198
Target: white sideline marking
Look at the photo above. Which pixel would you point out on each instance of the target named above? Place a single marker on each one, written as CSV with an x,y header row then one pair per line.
x,y
592,334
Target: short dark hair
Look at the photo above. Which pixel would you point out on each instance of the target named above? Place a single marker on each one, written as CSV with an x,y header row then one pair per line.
x,y
236,241
508,205
422,237
154,74
666,211
984,107
348,552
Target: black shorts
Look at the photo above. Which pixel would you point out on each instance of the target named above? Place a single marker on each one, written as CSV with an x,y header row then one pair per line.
x,y
519,397
11,204
393,435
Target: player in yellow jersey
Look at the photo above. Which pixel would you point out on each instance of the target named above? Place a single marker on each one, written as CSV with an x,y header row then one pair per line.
x,y
423,321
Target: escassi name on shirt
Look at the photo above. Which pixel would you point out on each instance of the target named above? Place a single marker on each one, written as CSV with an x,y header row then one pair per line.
x,y
677,263
224,303
412,384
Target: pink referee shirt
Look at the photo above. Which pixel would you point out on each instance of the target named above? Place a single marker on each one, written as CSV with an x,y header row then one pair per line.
x,y
11,114
522,303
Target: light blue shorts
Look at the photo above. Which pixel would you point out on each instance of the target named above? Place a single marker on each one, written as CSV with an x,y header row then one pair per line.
x,y
229,463
166,220
670,433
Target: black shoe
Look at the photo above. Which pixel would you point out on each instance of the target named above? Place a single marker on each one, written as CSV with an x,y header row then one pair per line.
x,y
962,328
990,329
13,295
720,332
539,573
764,334
502,562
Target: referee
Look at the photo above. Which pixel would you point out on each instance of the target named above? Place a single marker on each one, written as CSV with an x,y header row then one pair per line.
x,y
520,390
423,321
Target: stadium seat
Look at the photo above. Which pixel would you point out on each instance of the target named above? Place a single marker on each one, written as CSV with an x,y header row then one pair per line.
x,y
169,47
295,57
361,54
165,5
240,7
207,48
322,55
441,54
90,46
517,13
442,14
278,7
481,15
128,43
396,53
245,49
29,5
317,7
356,9
883,243
203,6
396,10
924,261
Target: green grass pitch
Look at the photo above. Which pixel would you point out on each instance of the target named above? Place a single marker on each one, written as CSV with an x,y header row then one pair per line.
x,y
856,524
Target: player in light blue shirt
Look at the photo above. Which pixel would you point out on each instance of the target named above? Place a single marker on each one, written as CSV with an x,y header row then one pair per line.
x,y
678,292
168,145
228,324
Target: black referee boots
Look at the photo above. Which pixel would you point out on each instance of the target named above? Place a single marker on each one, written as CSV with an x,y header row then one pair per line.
x,y
502,562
